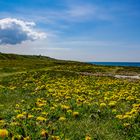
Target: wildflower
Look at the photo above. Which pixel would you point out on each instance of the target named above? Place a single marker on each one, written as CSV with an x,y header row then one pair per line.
x,y
17,105
103,105
20,116
41,118
112,103
136,105
17,137
40,104
2,122
69,111
62,119
44,113
65,107
27,138
75,114
87,137
30,116
119,117
127,116
44,133
129,98
55,138
24,113
37,109
126,124
3,133
52,108
114,111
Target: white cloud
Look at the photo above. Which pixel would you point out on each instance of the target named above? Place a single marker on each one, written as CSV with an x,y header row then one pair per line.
x,y
14,31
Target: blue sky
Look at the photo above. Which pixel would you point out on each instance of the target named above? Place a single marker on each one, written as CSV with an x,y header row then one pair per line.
x,y
84,30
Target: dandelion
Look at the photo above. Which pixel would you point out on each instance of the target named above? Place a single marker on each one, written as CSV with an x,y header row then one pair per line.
x,y
55,138
65,107
52,108
75,114
2,122
41,118
44,133
30,116
69,111
114,111
44,113
62,119
87,137
112,103
103,105
126,124
17,105
119,117
3,133
27,138
20,116
17,137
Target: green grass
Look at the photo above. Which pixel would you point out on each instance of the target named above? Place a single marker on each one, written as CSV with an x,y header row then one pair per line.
x,y
55,89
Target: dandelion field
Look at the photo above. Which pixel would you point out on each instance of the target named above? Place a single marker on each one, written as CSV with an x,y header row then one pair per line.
x,y
43,98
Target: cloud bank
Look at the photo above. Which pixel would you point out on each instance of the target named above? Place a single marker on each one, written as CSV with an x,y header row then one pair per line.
x,y
14,31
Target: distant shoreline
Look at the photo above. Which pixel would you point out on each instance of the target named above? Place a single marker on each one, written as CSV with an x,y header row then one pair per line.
x,y
126,64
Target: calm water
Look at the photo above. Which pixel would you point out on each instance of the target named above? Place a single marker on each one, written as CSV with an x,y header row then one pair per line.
x,y
130,64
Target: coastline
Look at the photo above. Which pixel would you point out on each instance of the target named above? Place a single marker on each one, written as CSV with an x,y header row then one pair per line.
x,y
118,64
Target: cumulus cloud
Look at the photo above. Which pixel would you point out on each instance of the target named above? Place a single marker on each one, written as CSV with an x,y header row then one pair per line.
x,y
14,31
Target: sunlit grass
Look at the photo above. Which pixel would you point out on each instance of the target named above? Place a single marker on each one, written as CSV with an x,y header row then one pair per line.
x,y
58,102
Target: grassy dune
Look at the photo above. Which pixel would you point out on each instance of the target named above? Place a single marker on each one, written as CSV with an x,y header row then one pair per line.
x,y
43,98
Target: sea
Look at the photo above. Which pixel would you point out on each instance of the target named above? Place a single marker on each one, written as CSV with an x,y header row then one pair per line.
x,y
128,64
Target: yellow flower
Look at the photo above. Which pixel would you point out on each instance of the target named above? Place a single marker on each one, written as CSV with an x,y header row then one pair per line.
x,y
41,118
3,133
52,108
62,119
119,117
127,116
55,138
69,111
17,137
114,111
2,122
24,113
112,103
44,113
87,137
30,116
27,138
40,104
17,105
65,107
75,114
37,109
103,105
20,116
126,124
44,133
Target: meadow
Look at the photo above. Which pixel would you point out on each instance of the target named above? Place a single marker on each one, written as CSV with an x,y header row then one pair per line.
x,y
47,99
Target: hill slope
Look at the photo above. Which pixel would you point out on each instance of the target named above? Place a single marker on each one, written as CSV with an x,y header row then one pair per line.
x,y
43,98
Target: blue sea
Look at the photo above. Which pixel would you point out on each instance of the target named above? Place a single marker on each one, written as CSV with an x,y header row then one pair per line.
x,y
128,64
